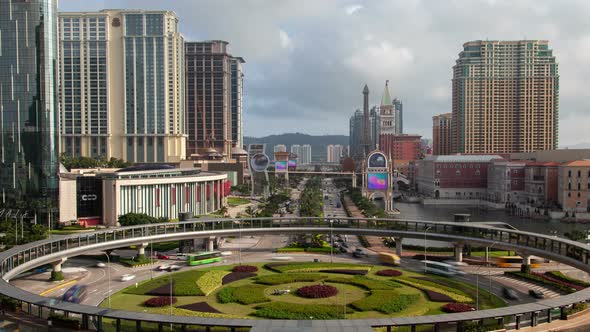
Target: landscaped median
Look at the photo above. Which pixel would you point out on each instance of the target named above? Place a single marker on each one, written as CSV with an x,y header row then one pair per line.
x,y
296,290
559,282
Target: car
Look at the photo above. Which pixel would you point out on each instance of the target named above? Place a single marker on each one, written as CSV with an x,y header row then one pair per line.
x,y
509,293
181,256
100,264
455,263
174,267
344,244
343,250
162,256
536,294
127,277
164,267
359,253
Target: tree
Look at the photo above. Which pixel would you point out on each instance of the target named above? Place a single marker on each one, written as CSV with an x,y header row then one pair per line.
x,y
131,219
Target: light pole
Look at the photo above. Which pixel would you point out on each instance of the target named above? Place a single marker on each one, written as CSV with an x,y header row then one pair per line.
x,y
425,230
151,260
109,276
488,249
331,241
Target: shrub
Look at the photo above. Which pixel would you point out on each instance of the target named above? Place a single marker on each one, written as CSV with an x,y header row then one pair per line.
x,y
560,276
160,301
317,291
424,286
437,297
389,273
366,283
245,268
457,307
539,279
385,301
65,322
210,281
283,310
558,281
247,294
346,271
287,278
312,267
235,276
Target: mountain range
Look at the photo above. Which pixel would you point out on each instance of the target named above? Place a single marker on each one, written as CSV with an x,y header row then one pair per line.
x,y
318,143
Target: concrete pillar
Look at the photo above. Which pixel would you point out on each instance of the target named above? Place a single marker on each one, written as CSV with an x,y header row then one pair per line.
x,y
57,267
459,252
549,318
526,259
534,318
353,180
56,274
517,322
398,246
141,249
211,243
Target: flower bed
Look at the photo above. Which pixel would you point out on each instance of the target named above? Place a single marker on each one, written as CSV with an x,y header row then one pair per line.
x,y
558,281
437,297
210,281
183,285
313,267
385,302
560,276
284,310
366,283
424,286
245,268
457,307
200,307
235,276
163,290
247,294
539,279
317,291
287,278
159,301
345,271
389,273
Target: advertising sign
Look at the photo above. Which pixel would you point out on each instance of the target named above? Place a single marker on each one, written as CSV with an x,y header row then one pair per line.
x,y
259,162
280,166
292,163
377,181
377,160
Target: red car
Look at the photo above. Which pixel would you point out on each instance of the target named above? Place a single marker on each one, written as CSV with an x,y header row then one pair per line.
x,y
160,256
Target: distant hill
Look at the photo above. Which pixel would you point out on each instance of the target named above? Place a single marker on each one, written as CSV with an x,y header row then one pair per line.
x,y
318,143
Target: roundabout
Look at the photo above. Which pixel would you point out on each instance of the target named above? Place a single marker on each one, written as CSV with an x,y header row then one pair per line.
x,y
56,250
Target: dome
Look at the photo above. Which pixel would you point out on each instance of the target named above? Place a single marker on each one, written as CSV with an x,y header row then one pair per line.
x,y
238,151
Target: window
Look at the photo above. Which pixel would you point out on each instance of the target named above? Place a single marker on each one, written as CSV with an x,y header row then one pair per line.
x,y
569,174
458,173
569,194
579,173
578,195
569,186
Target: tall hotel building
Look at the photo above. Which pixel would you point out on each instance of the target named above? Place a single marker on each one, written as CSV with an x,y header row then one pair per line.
x,y
122,85
441,134
214,85
505,97
28,101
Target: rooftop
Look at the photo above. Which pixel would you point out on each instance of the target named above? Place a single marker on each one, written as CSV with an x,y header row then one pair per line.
x,y
472,158
578,163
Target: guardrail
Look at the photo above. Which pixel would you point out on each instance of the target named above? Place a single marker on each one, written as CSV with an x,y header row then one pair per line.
x,y
25,257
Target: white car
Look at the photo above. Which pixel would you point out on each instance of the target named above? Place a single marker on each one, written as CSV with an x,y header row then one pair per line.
x,y
456,263
100,264
164,267
174,267
127,277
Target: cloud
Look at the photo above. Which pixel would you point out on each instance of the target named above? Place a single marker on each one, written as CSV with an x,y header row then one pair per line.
x,y
380,59
352,9
286,41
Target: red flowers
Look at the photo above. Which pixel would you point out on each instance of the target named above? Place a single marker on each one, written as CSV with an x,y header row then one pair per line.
x,y
389,273
159,301
317,291
245,268
457,307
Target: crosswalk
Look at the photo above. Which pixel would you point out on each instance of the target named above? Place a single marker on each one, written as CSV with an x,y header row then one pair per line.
x,y
549,294
483,272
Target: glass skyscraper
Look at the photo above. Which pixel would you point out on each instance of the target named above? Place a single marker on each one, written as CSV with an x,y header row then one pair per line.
x,y
28,104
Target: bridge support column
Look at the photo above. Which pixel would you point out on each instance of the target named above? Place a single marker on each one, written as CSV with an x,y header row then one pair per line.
x,y
517,322
57,274
534,318
549,318
211,243
398,246
459,252
562,313
353,180
141,250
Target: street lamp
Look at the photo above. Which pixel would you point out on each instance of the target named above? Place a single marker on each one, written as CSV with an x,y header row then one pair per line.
x,y
108,276
425,230
488,249
331,241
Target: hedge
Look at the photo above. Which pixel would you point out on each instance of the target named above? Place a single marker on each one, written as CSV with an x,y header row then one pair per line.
x,y
385,302
422,285
457,307
245,268
366,283
560,276
287,278
247,294
210,281
283,310
291,250
540,280
312,267
65,322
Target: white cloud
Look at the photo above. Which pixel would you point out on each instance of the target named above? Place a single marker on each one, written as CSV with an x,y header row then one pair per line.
x,y
286,41
352,9
380,60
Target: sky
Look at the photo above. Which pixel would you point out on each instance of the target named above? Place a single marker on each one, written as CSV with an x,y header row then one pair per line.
x,y
308,60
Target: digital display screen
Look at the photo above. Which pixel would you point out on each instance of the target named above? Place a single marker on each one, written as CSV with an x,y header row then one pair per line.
x,y
281,166
377,181
259,162
292,163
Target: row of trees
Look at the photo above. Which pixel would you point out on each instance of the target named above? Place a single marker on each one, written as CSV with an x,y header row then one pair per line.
x,y
16,232
132,219
70,162
311,200
366,205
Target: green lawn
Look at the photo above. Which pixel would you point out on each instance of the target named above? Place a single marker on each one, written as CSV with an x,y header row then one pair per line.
x,y
374,296
235,201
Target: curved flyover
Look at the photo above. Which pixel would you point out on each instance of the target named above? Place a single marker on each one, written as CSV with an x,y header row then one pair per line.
x,y
22,258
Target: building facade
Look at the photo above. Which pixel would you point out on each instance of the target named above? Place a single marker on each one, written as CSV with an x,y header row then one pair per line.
x,y
574,186
280,148
505,97
214,90
356,148
28,101
441,134
540,183
398,109
334,152
506,181
303,153
122,85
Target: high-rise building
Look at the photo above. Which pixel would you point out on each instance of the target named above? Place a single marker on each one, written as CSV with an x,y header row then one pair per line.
x,y
214,86
398,111
303,153
122,85
280,148
505,97
334,152
404,147
441,134
28,101
356,132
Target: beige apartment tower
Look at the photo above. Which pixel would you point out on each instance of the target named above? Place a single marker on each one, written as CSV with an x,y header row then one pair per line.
x,y
122,85
441,134
505,97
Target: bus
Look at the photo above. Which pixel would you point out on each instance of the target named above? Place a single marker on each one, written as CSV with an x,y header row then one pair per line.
x,y
389,258
516,261
75,294
206,257
442,269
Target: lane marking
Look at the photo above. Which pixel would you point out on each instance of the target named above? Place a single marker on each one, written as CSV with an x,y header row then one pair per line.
x,y
45,292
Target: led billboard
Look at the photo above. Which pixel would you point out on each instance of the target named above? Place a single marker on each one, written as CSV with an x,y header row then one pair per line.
x,y
377,181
